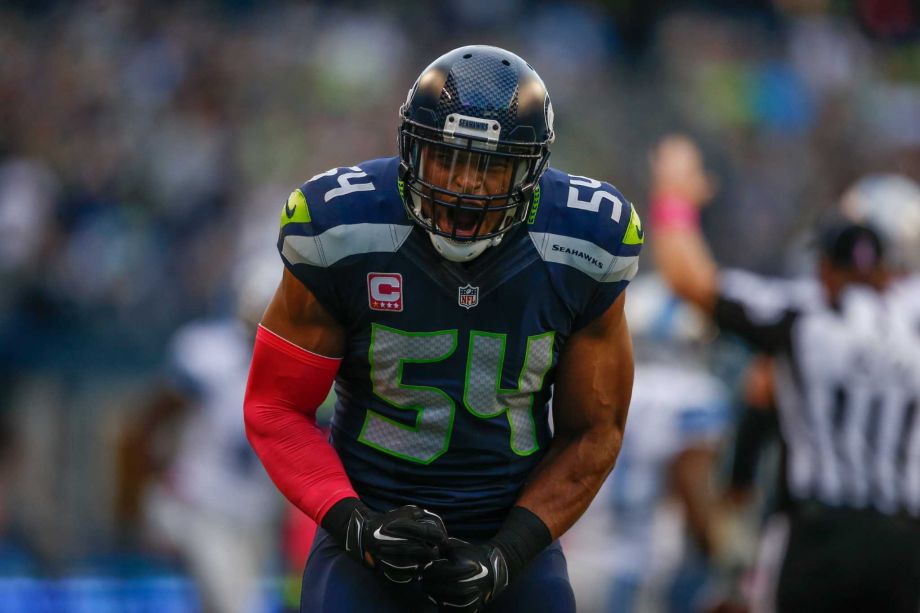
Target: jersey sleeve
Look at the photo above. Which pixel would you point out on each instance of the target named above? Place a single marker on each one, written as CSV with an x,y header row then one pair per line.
x,y
302,237
760,311
330,220
590,237
625,243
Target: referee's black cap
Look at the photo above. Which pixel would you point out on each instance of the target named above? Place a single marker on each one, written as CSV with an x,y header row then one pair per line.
x,y
851,245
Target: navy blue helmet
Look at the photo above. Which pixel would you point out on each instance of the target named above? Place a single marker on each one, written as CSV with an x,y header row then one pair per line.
x,y
474,140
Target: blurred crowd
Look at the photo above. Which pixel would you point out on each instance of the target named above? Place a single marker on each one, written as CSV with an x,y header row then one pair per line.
x,y
147,147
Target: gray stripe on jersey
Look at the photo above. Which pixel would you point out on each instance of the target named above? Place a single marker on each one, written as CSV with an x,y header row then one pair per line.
x,y
585,256
886,466
337,243
855,443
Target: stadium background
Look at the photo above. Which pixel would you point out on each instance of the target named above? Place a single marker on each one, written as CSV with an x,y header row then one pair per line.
x,y
147,147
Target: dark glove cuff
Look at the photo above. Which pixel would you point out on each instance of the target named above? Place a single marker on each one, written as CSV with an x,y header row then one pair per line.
x,y
521,538
335,521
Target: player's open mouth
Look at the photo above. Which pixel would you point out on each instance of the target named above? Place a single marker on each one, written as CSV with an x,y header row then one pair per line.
x,y
462,223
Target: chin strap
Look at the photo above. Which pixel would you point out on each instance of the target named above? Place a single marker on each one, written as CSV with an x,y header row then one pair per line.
x,y
462,252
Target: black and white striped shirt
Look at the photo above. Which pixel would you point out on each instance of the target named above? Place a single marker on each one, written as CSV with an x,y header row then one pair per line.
x,y
847,385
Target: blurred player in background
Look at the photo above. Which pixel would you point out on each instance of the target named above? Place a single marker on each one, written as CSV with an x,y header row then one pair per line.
x,y
446,290
646,542
847,384
679,421
212,502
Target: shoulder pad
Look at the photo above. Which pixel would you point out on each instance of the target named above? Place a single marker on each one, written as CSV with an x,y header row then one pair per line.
x,y
342,212
586,224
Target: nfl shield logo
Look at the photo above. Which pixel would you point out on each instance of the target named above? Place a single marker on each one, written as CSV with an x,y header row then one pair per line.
x,y
468,296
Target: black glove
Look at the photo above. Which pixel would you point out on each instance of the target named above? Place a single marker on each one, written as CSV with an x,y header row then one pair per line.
x,y
467,577
398,543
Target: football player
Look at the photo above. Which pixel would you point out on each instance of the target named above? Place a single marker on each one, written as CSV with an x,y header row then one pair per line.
x,y
680,418
209,500
446,291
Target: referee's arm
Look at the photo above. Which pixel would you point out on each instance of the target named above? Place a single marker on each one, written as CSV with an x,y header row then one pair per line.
x,y
680,187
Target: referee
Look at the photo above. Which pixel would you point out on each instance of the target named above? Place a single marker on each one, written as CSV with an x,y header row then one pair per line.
x,y
847,377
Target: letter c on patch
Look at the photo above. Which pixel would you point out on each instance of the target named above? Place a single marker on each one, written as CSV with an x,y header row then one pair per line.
x,y
385,289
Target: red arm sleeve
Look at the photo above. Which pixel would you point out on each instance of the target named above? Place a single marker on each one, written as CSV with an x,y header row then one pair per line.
x,y
286,386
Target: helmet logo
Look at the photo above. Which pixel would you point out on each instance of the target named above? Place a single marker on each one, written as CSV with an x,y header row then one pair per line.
x,y
467,296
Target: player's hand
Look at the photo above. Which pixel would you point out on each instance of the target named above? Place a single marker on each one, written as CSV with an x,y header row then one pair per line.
x,y
467,577
398,543
677,170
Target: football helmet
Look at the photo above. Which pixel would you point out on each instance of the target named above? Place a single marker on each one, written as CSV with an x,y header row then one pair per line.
x,y
474,140
891,204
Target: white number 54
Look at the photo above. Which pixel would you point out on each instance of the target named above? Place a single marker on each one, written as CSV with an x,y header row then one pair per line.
x,y
345,184
594,204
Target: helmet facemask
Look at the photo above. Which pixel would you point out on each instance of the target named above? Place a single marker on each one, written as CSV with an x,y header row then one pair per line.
x,y
465,187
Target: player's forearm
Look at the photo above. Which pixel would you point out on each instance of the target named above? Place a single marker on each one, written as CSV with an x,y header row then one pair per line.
x,y
570,475
286,385
297,457
590,403
561,488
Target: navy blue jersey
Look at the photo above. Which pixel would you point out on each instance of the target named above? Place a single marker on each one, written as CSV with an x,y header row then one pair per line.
x,y
446,378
